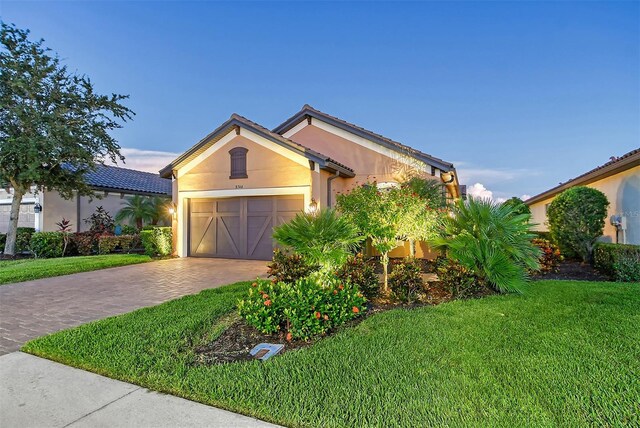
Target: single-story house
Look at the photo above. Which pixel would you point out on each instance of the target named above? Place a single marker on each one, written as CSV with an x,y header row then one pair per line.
x,y
237,183
112,184
619,180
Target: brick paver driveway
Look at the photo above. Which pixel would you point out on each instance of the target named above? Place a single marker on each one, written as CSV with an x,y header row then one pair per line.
x,y
33,308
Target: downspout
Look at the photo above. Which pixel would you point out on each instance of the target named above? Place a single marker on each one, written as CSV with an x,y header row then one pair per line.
x,y
329,180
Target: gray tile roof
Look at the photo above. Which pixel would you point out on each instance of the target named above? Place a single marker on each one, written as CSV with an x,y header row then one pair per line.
x,y
116,178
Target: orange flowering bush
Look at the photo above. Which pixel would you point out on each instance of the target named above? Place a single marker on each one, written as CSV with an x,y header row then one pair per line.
x,y
300,310
550,258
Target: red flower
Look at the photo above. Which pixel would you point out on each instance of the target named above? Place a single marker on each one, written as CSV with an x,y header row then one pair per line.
x,y
317,314
255,284
289,337
341,287
267,302
326,317
265,296
355,309
335,291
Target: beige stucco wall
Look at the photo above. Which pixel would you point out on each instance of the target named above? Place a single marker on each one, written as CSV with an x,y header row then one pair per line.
x,y
622,191
265,168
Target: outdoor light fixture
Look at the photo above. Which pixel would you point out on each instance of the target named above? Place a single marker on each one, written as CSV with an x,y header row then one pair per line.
x,y
447,177
172,209
313,206
37,208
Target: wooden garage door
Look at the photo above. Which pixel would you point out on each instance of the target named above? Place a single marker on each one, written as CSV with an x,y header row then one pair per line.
x,y
238,228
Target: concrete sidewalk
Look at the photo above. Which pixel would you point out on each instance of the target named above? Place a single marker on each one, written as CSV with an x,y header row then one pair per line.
x,y
35,392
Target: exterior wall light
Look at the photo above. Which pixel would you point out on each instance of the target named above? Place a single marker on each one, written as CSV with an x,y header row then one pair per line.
x,y
172,209
313,206
37,208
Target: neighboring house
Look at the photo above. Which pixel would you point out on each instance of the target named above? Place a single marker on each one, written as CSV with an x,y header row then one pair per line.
x,y
619,180
236,184
112,184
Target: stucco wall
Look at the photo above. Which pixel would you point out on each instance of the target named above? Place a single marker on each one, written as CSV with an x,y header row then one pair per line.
x,y
265,168
622,191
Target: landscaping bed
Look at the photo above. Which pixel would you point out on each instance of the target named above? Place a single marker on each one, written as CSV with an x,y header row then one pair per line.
x,y
28,269
562,353
573,270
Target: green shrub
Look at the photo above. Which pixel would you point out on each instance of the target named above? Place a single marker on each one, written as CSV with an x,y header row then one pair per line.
x,y
157,241
492,242
460,281
129,230
360,272
3,241
306,308
324,238
289,267
621,262
405,279
518,206
550,258
23,238
46,245
576,219
125,243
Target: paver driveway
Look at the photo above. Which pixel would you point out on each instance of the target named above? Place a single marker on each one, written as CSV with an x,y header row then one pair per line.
x,y
34,308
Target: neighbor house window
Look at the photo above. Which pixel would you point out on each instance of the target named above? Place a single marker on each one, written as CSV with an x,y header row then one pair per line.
x,y
238,162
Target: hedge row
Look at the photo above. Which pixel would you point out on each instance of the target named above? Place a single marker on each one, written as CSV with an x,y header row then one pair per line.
x,y
621,262
157,241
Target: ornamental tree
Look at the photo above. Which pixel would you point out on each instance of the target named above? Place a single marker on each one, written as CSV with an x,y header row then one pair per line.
x,y
376,214
576,219
518,206
53,126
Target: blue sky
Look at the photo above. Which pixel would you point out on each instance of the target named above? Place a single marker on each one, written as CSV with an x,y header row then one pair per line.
x,y
520,95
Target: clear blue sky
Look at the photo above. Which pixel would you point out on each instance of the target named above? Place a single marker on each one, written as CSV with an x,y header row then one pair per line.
x,y
519,95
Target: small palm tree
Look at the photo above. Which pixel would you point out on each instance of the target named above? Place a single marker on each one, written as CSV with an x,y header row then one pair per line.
x,y
160,208
324,238
492,241
137,210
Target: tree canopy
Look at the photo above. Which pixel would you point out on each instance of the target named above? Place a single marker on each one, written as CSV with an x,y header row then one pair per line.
x,y
54,127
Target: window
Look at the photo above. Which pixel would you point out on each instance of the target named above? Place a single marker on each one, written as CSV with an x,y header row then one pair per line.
x,y
238,162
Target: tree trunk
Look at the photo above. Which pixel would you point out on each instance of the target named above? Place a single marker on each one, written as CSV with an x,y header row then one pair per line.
x,y
412,248
10,244
385,270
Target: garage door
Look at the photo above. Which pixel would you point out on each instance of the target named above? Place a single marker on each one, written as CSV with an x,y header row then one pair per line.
x,y
238,228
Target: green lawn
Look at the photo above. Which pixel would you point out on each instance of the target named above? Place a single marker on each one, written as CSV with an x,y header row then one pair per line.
x,y
563,354
27,269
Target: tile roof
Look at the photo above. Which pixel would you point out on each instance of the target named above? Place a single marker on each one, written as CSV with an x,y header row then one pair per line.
x,y
116,178
307,110
616,164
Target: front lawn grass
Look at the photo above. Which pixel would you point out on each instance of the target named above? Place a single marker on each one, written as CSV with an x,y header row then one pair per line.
x,y
563,354
27,269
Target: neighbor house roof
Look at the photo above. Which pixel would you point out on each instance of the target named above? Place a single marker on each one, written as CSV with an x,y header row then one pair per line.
x,y
307,111
113,178
614,166
236,120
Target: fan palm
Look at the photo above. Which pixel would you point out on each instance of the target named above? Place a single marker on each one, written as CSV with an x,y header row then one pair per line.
x,y
324,238
160,210
492,241
137,209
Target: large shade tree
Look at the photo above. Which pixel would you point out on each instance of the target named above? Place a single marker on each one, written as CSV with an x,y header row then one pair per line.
x,y
53,126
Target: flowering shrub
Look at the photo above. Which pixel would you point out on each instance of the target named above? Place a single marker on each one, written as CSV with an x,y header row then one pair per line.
x,y
361,273
405,279
303,309
550,258
289,267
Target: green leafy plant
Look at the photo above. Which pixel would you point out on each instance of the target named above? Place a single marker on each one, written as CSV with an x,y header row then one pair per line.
x,y
405,279
84,243
100,221
53,124
376,215
550,257
518,206
492,242
289,268
124,243
306,308
137,209
621,262
160,211
45,245
576,219
23,239
3,239
129,230
360,272
324,238
458,280
64,226
157,241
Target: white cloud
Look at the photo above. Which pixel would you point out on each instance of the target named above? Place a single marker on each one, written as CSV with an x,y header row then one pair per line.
x,y
479,191
525,197
146,160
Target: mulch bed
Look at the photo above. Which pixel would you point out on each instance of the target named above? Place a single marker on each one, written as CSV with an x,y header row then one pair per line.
x,y
239,338
575,271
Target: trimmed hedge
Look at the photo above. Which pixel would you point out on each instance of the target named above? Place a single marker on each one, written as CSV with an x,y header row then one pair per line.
x,y
620,261
157,241
23,238
46,245
125,243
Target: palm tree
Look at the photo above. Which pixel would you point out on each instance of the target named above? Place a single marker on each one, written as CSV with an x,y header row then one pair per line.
x,y
137,209
160,210
492,241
